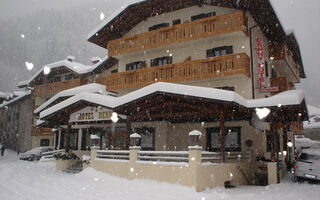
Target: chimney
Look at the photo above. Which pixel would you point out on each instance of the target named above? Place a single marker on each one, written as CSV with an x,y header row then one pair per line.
x,y
70,58
95,60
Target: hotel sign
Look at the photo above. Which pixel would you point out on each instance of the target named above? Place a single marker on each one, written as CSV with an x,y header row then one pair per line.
x,y
261,64
91,114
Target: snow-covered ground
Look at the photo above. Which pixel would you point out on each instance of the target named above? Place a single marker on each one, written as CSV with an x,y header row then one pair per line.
x,y
35,180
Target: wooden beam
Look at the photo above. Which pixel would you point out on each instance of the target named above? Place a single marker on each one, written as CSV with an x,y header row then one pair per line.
x,y
68,138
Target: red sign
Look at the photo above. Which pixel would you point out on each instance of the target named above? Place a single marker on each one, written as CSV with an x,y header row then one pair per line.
x,y
261,66
270,89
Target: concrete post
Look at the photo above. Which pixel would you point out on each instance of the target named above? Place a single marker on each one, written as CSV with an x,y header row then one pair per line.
x,y
195,159
135,142
93,154
272,173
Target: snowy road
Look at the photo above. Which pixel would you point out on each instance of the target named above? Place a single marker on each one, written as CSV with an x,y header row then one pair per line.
x,y
32,181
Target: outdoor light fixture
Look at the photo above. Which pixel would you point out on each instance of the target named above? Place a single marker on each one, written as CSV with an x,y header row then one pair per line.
x,y
262,112
284,153
114,117
289,144
46,70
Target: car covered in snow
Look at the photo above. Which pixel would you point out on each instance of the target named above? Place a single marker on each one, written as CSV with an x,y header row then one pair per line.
x,y
307,165
35,154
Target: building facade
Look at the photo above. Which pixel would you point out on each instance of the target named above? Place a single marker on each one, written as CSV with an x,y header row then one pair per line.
x,y
227,60
16,122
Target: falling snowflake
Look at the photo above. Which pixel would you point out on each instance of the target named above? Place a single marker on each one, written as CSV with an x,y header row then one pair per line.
x,y
101,16
23,36
29,65
46,70
262,112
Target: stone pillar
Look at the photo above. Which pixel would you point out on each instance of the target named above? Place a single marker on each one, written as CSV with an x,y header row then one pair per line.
x,y
135,147
272,173
93,154
195,159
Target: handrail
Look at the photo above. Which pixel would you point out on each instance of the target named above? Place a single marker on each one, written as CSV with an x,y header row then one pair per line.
x,y
206,27
227,65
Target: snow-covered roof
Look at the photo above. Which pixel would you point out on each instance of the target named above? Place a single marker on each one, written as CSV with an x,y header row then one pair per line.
x,y
98,99
195,132
113,15
312,110
74,66
93,88
290,97
3,95
16,96
294,97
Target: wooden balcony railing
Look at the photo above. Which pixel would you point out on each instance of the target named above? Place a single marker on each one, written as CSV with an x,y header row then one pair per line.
x,y
41,131
282,83
188,31
281,52
52,88
220,66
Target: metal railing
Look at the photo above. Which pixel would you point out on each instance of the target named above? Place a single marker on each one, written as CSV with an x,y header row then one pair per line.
x,y
113,155
164,156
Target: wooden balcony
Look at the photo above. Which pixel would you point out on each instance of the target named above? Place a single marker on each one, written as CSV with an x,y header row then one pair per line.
x,y
41,131
284,62
228,65
53,88
282,83
202,28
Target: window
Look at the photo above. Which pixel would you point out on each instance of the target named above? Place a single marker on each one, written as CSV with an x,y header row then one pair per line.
x,y
55,79
158,26
202,15
73,139
219,51
114,71
232,139
147,138
44,142
273,73
135,65
70,76
161,61
266,68
177,21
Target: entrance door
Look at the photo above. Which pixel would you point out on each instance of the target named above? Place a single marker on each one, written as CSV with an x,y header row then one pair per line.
x,y
118,140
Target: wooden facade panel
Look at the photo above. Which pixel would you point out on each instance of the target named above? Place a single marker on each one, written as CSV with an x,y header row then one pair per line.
x,y
281,52
197,29
41,131
228,65
53,88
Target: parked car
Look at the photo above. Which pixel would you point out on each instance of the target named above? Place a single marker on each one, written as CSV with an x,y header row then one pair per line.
x,y
35,154
307,165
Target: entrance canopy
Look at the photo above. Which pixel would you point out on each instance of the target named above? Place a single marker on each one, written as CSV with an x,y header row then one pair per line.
x,y
176,102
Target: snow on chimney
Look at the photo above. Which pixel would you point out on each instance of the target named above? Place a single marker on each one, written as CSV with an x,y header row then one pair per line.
x,y
71,58
95,60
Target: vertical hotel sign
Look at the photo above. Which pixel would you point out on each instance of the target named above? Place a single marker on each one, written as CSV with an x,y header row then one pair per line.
x,y
261,65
